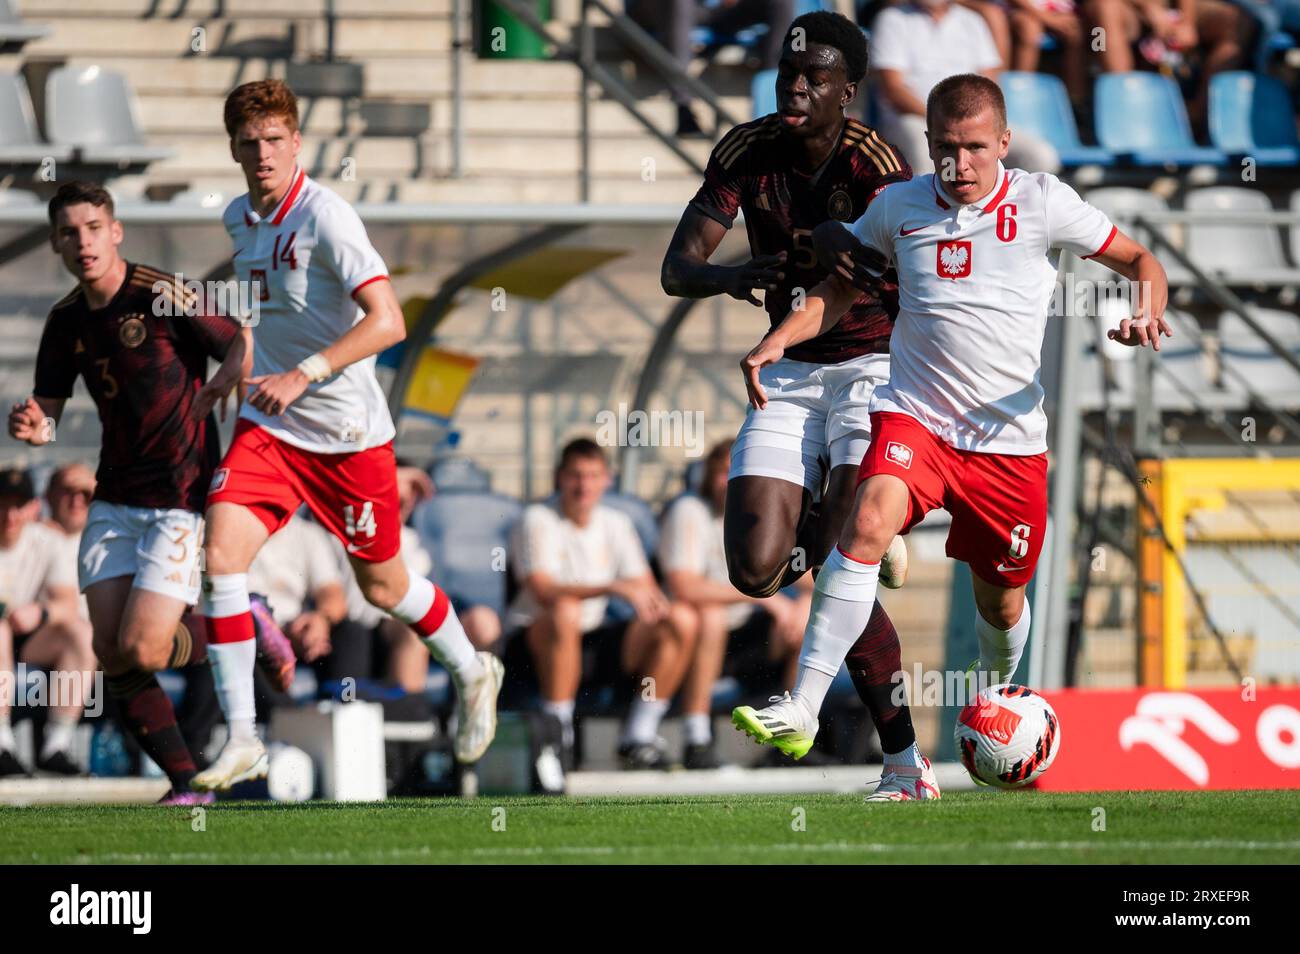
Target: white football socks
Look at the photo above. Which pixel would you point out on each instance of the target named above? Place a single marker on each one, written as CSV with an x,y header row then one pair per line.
x,y
844,595
643,718
1001,649
226,606
59,733
698,727
910,756
562,709
444,637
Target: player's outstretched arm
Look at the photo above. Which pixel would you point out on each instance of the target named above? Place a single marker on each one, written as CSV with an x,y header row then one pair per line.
x,y
380,327
236,365
687,273
1150,289
823,308
33,420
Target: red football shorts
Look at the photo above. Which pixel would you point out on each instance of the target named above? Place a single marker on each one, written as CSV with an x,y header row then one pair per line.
x,y
352,495
998,502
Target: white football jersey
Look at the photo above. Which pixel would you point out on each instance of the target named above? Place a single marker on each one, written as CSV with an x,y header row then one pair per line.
x,y
975,282
311,256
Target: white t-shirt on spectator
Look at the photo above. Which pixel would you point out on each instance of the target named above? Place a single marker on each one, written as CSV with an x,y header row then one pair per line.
x,y
37,561
692,541
605,550
906,38
71,554
418,563
975,283
296,562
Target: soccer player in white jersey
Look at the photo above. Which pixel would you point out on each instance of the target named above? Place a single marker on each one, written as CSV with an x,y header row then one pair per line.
x,y
960,425
315,427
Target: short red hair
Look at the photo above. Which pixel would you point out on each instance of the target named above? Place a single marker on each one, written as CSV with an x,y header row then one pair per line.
x,y
261,99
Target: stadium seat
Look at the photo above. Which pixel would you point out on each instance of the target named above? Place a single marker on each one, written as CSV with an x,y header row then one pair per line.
x,y
1122,204
763,92
19,140
188,198
1251,115
94,111
1142,116
462,531
1038,103
712,39
1237,254
1295,227
13,30
460,474
1250,356
1183,358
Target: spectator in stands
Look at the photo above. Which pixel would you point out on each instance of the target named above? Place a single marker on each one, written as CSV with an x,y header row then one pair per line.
x,y
1031,20
672,21
40,624
67,496
1218,34
694,565
297,574
570,556
913,47
997,17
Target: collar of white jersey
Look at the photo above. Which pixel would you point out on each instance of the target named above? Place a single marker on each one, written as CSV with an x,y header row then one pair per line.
x,y
251,218
998,192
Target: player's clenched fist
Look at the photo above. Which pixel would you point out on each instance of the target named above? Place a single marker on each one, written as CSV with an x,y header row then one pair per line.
x,y
272,393
27,423
841,253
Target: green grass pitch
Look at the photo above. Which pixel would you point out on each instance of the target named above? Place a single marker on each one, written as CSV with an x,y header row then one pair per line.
x,y
963,828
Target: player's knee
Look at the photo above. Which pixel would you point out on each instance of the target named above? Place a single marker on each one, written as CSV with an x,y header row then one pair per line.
x,y
381,593
866,534
147,648
757,574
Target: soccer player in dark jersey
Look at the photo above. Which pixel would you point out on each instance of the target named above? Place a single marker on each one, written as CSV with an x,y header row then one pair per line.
x,y
141,345
790,171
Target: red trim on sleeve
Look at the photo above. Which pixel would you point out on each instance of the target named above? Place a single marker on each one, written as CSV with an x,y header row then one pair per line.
x,y
369,281
287,204
1106,244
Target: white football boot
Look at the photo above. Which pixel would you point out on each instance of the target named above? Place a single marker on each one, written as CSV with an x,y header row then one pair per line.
x,y
784,724
240,761
902,783
893,565
476,711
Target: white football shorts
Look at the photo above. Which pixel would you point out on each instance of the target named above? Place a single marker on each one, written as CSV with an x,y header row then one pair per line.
x,y
814,413
160,548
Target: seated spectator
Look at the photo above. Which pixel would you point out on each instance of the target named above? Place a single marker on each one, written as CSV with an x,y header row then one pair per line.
x,y
673,20
1216,33
913,47
40,624
997,17
67,496
694,565
297,574
570,556
1031,20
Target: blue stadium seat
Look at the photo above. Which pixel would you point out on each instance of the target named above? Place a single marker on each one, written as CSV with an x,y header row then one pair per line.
x,y
763,92
712,39
1038,103
1142,115
1251,115
462,531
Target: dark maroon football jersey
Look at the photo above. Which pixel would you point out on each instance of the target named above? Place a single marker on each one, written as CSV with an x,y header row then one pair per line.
x,y
143,371
752,168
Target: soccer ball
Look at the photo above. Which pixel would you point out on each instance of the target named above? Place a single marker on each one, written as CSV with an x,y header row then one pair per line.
x,y
1008,736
